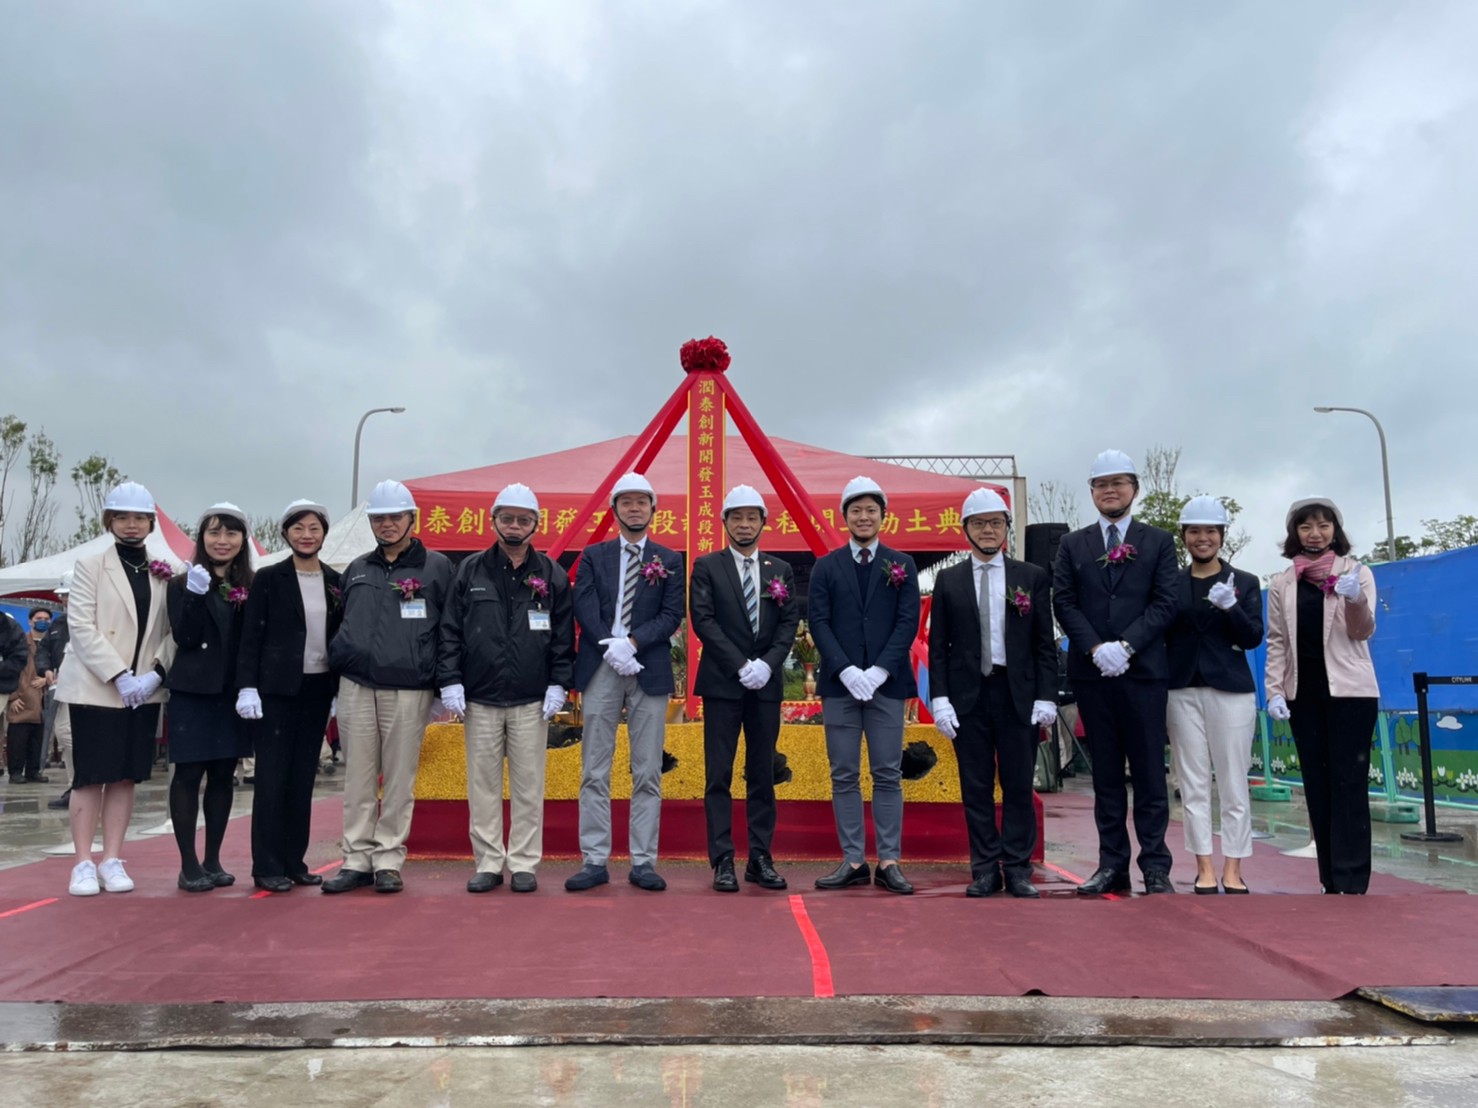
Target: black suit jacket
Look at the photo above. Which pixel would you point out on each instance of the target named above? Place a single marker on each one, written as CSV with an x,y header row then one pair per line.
x,y
655,614
1219,644
860,627
721,622
207,633
1136,609
954,638
274,629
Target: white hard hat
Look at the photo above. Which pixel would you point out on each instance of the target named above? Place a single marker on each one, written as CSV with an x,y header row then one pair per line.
x,y
1206,511
225,510
388,498
66,583
982,501
130,497
1324,501
297,507
744,496
1111,463
517,496
632,482
862,486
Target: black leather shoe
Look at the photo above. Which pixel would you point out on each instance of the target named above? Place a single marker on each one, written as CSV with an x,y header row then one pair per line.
x,y
844,876
588,878
37,779
347,879
63,801
1020,886
201,884
1106,880
761,871
1233,890
523,883
299,878
1157,881
646,877
484,882
273,884
222,879
388,881
724,880
1205,890
892,879
988,885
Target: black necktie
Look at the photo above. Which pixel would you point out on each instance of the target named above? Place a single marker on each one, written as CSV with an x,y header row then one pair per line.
x,y
1114,542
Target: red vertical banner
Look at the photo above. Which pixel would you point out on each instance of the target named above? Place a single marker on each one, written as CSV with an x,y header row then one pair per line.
x,y
705,494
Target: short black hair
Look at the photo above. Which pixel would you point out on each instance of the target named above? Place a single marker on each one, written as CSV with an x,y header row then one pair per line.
x,y
40,612
1291,545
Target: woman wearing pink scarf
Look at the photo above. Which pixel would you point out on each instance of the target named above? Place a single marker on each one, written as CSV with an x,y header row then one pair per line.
x,y
1319,677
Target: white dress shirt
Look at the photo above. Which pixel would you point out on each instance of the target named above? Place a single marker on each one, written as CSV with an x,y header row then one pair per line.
x,y
1123,523
997,603
618,629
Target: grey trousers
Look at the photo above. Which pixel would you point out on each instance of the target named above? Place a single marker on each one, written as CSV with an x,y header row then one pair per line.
x,y
881,720
646,723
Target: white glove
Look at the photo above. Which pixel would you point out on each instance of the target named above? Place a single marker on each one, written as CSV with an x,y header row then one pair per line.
x,y
856,683
126,683
1044,713
759,675
877,677
1278,707
333,707
618,653
197,580
1111,659
1347,585
144,687
629,669
454,699
946,722
1223,594
248,704
554,700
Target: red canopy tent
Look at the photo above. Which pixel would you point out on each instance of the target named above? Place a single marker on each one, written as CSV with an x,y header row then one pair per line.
x,y
923,507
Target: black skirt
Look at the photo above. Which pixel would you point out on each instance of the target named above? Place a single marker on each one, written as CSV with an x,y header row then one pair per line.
x,y
112,744
205,728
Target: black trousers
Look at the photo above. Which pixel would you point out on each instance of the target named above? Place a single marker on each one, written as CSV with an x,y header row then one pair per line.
x,y
23,749
992,737
1333,735
1125,718
287,739
722,722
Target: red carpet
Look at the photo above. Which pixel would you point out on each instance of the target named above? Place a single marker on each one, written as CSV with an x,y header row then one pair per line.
x,y
157,944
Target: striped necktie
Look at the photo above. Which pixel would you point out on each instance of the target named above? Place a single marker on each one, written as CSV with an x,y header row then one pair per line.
x,y
751,595
987,657
628,587
1114,542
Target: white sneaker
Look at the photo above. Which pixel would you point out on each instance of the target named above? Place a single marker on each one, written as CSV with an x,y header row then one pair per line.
x,y
84,880
114,878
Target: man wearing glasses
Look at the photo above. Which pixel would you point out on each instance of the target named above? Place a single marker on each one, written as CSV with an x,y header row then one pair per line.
x,y
506,658
1114,594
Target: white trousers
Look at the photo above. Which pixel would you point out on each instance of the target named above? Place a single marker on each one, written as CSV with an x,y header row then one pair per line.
x,y
1211,732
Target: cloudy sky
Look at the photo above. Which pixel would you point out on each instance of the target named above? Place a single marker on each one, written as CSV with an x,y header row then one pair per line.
x,y
227,229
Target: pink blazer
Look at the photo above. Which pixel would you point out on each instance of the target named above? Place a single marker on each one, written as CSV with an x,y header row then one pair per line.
x,y
1347,627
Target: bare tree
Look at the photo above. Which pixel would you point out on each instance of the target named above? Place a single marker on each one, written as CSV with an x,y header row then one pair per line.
x,y
1050,502
43,466
1160,502
266,531
12,442
94,476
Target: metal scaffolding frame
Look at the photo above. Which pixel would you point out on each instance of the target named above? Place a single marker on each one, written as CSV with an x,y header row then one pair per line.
x,y
995,468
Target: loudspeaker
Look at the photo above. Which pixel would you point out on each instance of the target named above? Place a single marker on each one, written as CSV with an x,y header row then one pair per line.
x,y
1042,540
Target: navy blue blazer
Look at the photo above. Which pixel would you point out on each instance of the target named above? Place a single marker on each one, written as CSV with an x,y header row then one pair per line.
x,y
1137,608
1220,649
868,627
656,613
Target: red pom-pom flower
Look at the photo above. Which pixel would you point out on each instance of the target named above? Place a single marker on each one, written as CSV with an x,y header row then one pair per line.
x,y
700,355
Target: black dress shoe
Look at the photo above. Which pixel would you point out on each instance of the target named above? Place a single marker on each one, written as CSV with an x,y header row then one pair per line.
x,y
588,878
299,878
63,801
645,876
1105,880
1233,890
484,882
523,883
986,885
1157,881
278,884
845,875
1205,890
761,871
347,879
222,879
724,880
37,779
201,884
892,879
1020,886
388,881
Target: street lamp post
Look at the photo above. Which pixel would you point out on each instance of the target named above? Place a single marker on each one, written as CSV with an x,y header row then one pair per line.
x,y
1385,472
354,495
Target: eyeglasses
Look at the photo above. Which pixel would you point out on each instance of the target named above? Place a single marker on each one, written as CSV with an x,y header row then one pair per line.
x,y
984,523
1116,483
515,521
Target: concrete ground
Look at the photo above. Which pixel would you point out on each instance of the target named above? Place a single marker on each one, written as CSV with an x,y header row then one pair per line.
x,y
853,1075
